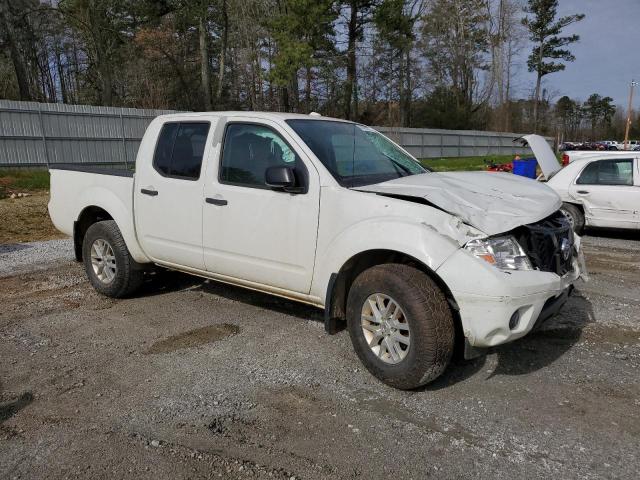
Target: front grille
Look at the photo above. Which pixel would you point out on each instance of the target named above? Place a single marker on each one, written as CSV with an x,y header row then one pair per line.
x,y
549,243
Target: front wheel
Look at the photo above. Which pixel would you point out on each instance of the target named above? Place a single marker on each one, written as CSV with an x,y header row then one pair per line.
x,y
575,216
109,265
400,325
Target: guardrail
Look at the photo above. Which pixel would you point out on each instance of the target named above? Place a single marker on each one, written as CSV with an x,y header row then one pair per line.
x,y
37,134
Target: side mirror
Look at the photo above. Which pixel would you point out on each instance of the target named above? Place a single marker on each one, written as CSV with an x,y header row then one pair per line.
x,y
282,178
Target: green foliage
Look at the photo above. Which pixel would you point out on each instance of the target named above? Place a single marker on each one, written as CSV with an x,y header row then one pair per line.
x,y
544,31
395,23
456,40
304,33
23,180
599,110
417,63
445,108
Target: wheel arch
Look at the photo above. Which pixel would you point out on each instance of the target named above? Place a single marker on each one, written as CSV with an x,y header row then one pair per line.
x,y
579,206
341,281
87,217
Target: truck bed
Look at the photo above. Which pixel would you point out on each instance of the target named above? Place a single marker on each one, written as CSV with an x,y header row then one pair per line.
x,y
74,167
77,188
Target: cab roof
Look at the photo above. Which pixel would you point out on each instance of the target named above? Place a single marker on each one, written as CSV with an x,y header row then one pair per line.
x,y
277,116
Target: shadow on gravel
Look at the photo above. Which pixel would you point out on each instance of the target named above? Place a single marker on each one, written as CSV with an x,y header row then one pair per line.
x,y
8,410
533,352
165,281
13,247
263,300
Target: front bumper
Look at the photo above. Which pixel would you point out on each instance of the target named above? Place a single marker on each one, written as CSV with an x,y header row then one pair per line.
x,y
487,298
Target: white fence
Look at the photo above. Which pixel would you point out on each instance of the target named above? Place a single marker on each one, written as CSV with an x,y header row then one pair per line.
x,y
36,134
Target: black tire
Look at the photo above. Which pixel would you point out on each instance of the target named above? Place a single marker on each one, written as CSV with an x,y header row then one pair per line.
x,y
576,216
427,312
129,274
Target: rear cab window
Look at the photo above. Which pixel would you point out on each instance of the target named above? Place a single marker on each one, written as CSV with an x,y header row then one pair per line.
x,y
180,149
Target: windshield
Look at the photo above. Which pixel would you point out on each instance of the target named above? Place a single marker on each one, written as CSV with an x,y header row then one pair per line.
x,y
354,154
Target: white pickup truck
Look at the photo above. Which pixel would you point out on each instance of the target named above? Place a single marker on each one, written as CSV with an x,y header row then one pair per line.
x,y
333,214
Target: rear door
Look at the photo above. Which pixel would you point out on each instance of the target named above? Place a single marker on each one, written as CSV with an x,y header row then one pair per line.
x,y
169,194
608,190
250,231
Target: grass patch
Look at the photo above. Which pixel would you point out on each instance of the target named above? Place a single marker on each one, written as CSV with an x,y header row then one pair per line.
x,y
23,180
464,163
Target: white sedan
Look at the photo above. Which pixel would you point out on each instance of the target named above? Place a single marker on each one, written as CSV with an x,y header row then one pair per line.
x,y
600,189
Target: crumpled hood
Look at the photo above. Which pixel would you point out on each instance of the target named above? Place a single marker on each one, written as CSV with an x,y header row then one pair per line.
x,y
491,202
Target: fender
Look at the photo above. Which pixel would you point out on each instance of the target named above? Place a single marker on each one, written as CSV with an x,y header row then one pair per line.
x,y
122,214
407,236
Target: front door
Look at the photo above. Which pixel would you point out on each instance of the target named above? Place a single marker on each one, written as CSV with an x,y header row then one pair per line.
x,y
250,231
607,192
169,193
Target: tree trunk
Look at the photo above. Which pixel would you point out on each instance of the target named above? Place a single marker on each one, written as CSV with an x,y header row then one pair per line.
x,y
507,89
537,94
16,57
106,78
351,62
405,88
284,94
307,90
223,50
205,71
536,101
294,98
61,76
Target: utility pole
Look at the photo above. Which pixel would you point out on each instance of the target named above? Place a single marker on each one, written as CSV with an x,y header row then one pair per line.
x,y
626,130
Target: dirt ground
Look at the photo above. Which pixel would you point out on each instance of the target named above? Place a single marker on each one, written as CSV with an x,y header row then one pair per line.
x,y
193,379
26,219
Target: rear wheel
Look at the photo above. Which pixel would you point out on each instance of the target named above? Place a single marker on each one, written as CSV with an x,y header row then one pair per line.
x,y
575,216
109,265
400,325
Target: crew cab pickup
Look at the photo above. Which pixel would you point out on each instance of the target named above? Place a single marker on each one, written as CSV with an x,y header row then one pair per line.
x,y
333,214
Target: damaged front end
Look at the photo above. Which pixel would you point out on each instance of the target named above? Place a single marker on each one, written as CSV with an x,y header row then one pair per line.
x,y
519,256
550,244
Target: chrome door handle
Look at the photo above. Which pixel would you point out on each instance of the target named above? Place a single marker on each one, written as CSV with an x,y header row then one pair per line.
x,y
216,201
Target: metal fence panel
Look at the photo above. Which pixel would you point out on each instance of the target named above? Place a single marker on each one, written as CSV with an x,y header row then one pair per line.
x,y
437,143
33,134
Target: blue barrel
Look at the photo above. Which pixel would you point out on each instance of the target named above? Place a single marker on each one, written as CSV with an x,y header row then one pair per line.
x,y
525,167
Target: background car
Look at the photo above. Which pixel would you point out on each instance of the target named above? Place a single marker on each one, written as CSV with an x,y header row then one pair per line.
x,y
610,145
600,190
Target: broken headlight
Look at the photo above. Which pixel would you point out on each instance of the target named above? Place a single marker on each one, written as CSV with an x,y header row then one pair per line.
x,y
504,253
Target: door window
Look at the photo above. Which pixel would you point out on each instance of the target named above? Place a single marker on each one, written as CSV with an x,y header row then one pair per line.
x,y
180,149
249,150
607,172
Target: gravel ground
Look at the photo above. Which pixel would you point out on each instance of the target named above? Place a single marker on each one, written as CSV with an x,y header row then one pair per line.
x,y
23,257
193,379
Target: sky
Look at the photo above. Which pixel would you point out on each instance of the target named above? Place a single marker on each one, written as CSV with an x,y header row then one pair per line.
x,y
607,55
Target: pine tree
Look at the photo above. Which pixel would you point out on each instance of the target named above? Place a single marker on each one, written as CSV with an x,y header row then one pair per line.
x,y
544,31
